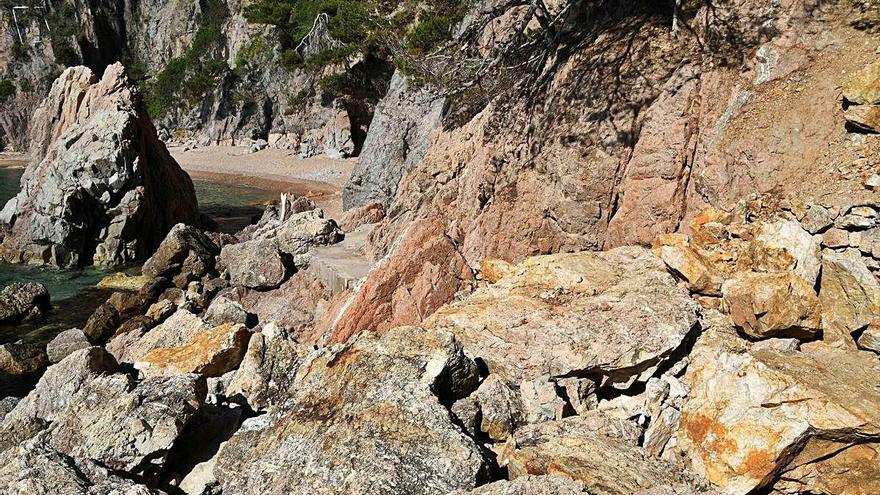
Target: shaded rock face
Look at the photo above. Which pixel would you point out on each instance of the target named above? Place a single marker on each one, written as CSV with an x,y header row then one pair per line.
x,y
380,397
400,133
101,188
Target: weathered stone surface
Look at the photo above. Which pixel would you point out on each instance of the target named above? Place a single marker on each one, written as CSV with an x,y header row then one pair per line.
x,y
864,117
835,238
500,409
173,332
96,157
34,468
772,305
257,264
53,394
268,370
184,255
127,426
784,245
362,215
66,343
122,281
21,301
580,312
752,414
421,274
224,310
364,418
863,87
209,353
608,461
849,294
699,273
531,485
817,218
21,358
399,136
870,338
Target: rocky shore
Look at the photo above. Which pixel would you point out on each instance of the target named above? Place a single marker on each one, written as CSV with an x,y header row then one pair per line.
x,y
650,268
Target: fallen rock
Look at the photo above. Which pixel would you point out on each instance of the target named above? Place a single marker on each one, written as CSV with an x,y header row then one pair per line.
x,y
782,246
864,117
186,254
127,426
379,397
268,370
224,310
22,301
173,332
97,158
753,414
699,273
209,353
53,393
66,343
870,338
606,460
531,485
835,238
849,295
766,305
863,87
362,215
121,281
21,358
578,313
34,468
257,264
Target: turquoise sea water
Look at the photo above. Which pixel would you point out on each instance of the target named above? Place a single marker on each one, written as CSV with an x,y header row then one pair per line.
x,y
73,292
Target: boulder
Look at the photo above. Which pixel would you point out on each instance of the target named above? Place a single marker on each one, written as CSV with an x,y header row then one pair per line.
x,y
864,117
122,281
96,157
863,87
699,273
849,295
224,310
870,338
530,485
21,358
257,264
186,254
34,468
209,353
21,301
364,418
127,426
766,305
53,393
607,460
754,414
173,332
576,314
66,343
362,215
783,245
268,371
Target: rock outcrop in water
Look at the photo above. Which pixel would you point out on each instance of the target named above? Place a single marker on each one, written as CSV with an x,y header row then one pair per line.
x,y
101,188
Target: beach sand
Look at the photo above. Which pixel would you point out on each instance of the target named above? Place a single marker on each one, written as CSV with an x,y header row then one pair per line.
x,y
319,178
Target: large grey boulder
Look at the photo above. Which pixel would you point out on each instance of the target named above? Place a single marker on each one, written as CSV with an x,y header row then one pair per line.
x,y
101,188
20,301
66,343
397,140
367,418
184,255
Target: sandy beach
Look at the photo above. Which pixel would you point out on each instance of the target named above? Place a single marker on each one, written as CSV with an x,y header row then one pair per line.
x,y
319,178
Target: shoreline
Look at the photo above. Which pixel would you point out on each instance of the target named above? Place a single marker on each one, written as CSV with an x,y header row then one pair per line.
x,y
279,171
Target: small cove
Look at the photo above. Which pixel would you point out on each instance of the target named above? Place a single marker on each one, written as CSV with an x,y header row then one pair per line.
x,y
73,292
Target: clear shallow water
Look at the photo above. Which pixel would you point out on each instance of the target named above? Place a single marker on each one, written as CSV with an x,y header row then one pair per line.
x,y
73,292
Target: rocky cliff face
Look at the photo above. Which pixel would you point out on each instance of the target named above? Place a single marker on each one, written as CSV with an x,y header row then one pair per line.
x,y
628,129
101,188
247,93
